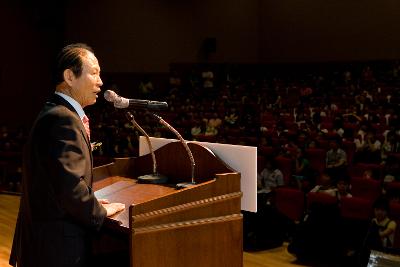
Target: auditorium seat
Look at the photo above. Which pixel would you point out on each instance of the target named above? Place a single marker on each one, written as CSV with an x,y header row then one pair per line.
x,y
260,163
350,148
358,169
395,215
290,202
396,155
393,188
324,144
355,208
285,166
365,188
206,138
320,198
326,125
316,156
267,151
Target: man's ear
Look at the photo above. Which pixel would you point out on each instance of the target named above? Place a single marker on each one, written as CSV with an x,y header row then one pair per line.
x,y
69,76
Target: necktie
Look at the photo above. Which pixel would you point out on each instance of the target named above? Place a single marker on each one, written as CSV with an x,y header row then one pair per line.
x,y
85,121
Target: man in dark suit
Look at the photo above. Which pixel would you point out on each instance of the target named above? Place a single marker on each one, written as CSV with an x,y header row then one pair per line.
x,y
58,210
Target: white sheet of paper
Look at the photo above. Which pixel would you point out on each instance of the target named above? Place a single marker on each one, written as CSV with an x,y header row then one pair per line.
x,y
242,159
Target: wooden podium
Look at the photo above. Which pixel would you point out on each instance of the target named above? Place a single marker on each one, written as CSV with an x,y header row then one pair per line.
x,y
196,226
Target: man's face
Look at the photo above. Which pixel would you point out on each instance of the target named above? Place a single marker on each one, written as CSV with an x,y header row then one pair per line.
x,y
86,87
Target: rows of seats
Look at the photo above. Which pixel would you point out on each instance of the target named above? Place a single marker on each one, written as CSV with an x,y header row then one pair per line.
x,y
355,211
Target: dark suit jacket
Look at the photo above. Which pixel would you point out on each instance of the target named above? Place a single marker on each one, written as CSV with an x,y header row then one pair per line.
x,y
58,210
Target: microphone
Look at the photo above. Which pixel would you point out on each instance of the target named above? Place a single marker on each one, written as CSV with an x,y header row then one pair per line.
x,y
185,145
155,177
122,102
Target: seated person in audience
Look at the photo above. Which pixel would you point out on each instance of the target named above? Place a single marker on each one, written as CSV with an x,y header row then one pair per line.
x,y
146,86
290,148
382,230
208,79
232,116
368,174
324,185
302,171
174,82
212,125
342,188
269,179
196,129
362,132
313,144
336,160
367,148
391,172
209,128
390,145
337,126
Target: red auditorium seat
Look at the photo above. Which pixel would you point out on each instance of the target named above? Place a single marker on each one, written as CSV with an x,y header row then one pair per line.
x,y
358,169
320,198
290,202
285,166
267,151
266,117
393,188
395,215
326,125
365,188
249,140
206,138
351,126
233,140
324,144
350,148
292,151
396,155
260,163
355,208
316,156
233,132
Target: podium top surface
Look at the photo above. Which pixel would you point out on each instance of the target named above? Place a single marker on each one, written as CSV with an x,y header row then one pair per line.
x,y
129,192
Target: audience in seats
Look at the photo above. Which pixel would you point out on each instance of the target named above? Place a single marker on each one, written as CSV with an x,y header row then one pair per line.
x,y
342,189
267,180
302,172
336,160
324,185
382,230
368,148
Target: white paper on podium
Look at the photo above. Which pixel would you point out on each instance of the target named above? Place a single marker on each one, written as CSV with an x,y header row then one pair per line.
x,y
242,159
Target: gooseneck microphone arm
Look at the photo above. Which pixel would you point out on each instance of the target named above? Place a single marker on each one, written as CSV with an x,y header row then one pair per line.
x,y
184,143
135,124
154,178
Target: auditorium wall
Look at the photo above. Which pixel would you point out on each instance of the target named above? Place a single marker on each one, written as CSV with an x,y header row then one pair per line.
x,y
30,31
147,35
329,30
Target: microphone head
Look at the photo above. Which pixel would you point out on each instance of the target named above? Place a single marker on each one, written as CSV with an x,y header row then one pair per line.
x,y
110,96
119,102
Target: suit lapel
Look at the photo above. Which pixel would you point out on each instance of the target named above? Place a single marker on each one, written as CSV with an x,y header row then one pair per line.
x,y
58,100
